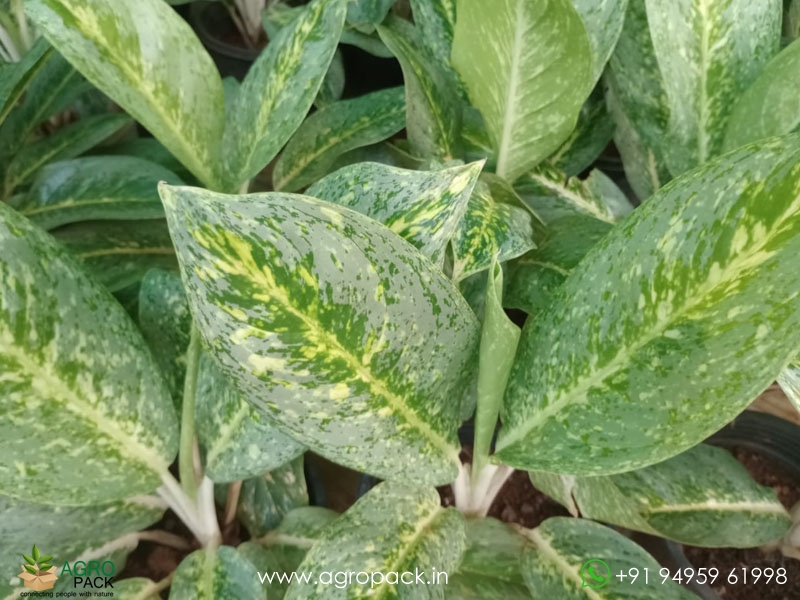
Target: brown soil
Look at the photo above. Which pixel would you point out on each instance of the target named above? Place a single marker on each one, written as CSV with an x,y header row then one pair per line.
x,y
729,559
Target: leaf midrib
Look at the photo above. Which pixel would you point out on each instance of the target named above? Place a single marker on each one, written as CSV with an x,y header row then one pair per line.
x,y
556,559
511,100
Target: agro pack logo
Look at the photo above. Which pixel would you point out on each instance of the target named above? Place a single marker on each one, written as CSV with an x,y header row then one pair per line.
x,y
90,575
37,572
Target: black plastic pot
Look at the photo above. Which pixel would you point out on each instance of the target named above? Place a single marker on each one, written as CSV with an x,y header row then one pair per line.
x,y
770,436
214,27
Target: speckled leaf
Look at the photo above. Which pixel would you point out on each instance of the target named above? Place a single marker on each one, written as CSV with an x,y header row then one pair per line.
x,y
66,533
119,253
699,274
603,20
422,207
490,568
638,103
709,52
165,322
336,129
15,77
136,588
78,381
238,439
532,280
592,134
436,20
703,497
395,527
306,304
551,195
265,500
282,550
433,109
280,88
489,230
69,142
527,67
216,574
96,187
789,380
365,14
148,60
769,106
558,487
560,546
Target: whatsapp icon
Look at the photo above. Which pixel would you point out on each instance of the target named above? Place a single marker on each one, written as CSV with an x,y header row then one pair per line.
x,y
595,573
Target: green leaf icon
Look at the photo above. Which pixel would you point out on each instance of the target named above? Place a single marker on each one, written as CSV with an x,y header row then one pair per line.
x,y
44,559
28,559
31,570
45,567
36,553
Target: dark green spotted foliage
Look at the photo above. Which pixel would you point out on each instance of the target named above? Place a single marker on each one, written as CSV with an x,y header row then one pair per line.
x,y
466,245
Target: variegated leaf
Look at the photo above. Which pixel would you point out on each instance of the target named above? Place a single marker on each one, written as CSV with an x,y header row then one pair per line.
x,y
490,568
69,142
395,527
592,134
697,282
148,60
366,14
334,130
238,440
551,195
703,497
769,106
67,533
638,103
137,588
119,253
558,487
554,564
789,380
332,86
96,187
265,500
165,323
306,304
433,109
436,20
422,207
280,88
603,20
527,67
15,78
282,550
532,280
489,230
709,52
78,384
216,574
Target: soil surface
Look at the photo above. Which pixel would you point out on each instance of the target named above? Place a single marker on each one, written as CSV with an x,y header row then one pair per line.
x,y
726,560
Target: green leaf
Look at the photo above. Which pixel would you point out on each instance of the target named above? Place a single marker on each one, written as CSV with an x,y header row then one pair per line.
x,y
395,527
552,564
436,20
703,497
282,312
499,338
79,381
148,60
332,86
789,380
365,14
422,207
527,66
69,142
119,253
35,552
216,574
628,340
592,134
603,20
136,588
334,130
70,532
45,567
280,88
238,439
45,559
768,107
165,323
638,103
95,187
532,280
433,110
15,78
265,500
489,230
490,568
29,559
709,53
31,570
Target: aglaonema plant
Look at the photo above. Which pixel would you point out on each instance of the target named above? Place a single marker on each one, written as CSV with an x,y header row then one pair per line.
x,y
338,320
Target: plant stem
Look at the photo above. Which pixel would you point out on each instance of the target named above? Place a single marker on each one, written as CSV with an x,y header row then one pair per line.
x,y
186,456
199,516
234,490
165,538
